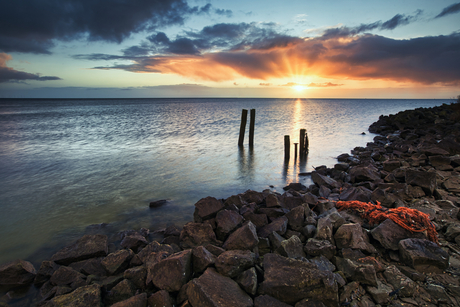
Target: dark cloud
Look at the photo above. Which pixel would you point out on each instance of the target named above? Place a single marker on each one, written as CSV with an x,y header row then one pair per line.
x,y
451,9
8,74
31,25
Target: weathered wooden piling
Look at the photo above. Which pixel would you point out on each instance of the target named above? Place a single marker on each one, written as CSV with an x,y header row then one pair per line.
x,y
295,151
287,147
244,119
251,127
302,141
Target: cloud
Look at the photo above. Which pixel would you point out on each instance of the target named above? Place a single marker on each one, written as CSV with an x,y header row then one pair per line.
x,y
8,74
265,84
451,9
32,26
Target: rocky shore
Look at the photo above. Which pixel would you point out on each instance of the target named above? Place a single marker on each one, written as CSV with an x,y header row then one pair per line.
x,y
267,249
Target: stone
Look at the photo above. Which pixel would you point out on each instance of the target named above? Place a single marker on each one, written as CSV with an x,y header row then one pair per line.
x,y
92,266
253,197
391,165
82,297
139,300
381,293
258,219
226,222
214,290
356,193
234,200
207,208
452,231
154,247
291,248
310,198
385,199
324,229
17,273
248,281
268,301
243,238
362,273
353,236
65,276
389,234
342,166
452,184
399,281
309,303
279,225
202,259
137,276
88,246
423,255
234,262
296,186
321,180
195,234
290,281
315,247
323,263
296,217
118,261
272,201
439,160
172,273
273,212
47,268
158,203
425,180
120,292
291,202
134,242
363,173
161,299
275,240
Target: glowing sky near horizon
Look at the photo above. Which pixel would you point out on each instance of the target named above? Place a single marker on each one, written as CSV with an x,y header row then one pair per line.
x,y
179,48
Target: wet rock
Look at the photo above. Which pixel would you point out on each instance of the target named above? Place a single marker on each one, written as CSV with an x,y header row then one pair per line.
x,y
88,246
161,299
363,173
362,273
291,248
226,222
315,247
425,180
214,290
91,266
296,186
268,301
353,236
81,297
120,292
158,203
253,197
65,276
154,247
342,166
279,225
290,281
296,217
244,237
248,281
234,262
389,234
47,268
234,200
322,180
207,208
202,259
172,273
423,255
194,234
134,241
118,261
17,273
401,283
137,276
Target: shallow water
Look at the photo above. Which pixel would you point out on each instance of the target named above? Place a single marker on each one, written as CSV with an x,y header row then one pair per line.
x,y
66,164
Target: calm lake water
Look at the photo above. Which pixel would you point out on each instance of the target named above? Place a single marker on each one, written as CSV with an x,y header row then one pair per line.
x,y
66,164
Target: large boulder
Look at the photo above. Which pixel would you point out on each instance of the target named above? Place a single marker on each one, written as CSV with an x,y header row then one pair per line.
x,y
118,261
389,234
234,262
207,208
67,276
291,248
161,299
202,259
399,281
315,247
195,234
423,179
139,300
81,297
353,236
290,281
17,273
279,225
243,238
172,273
321,180
88,246
226,222
214,290
362,273
423,255
363,173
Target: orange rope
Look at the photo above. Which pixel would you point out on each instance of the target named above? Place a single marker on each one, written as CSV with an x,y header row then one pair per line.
x,y
410,219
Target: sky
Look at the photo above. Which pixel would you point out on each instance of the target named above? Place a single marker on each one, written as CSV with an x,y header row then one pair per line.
x,y
199,48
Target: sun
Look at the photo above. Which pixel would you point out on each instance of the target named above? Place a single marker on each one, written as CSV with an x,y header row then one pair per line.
x,y
299,87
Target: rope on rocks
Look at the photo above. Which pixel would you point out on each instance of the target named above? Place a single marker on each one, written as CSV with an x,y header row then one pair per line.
x,y
410,219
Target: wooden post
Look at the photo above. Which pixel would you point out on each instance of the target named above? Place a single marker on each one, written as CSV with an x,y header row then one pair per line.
x,y
251,127
287,147
302,142
295,151
244,119
306,143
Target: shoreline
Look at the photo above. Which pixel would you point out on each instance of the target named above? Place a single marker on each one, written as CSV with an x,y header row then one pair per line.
x,y
418,167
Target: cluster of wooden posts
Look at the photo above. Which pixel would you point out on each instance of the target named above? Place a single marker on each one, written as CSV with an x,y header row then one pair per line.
x,y
303,138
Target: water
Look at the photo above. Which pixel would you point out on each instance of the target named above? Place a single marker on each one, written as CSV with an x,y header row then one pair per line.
x,y
66,164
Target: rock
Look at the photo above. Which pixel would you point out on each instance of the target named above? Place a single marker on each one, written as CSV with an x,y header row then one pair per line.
x,y
154,247
321,180
207,208
425,180
118,261
399,281
134,241
17,273
291,202
88,246
423,255
172,273
291,248
65,276
381,293
309,303
296,217
356,193
253,197
363,173
47,268
258,219
362,273
323,263
273,212
296,186
342,166
234,200
452,231
353,236
194,234
391,165
310,199
120,292
268,301
452,184
81,297
226,222
389,234
202,259
279,225
316,247
139,300
275,240
248,281
161,299
234,262
137,276
272,201
290,281
90,266
214,290
158,203
244,238
324,229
